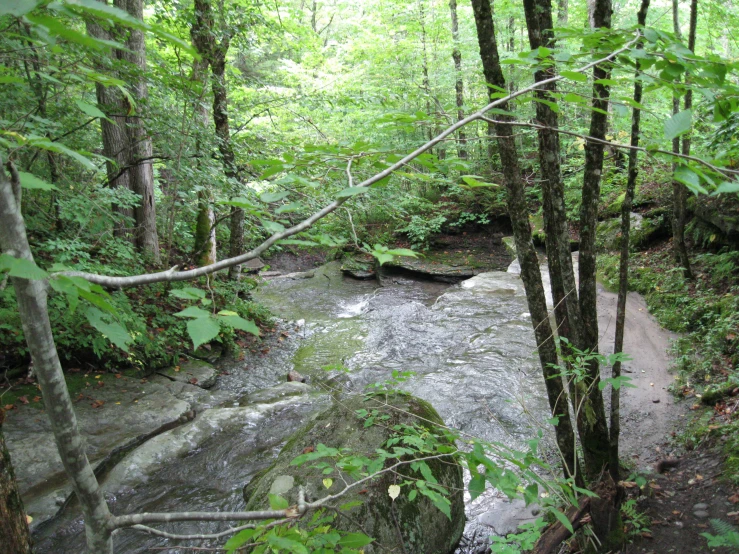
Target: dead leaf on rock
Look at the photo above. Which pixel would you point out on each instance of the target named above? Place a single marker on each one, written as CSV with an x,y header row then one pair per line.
x,y
97,404
36,398
9,407
193,381
734,499
23,399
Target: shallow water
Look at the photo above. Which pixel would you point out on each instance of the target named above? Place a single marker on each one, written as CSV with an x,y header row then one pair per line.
x,y
470,349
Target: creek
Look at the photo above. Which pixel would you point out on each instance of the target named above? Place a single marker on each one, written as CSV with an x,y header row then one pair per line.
x,y
469,347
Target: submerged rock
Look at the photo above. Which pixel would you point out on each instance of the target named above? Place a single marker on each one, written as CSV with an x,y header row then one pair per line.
x,y
417,524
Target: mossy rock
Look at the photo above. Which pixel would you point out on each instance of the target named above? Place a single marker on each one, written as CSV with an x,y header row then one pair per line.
x,y
644,229
358,266
418,525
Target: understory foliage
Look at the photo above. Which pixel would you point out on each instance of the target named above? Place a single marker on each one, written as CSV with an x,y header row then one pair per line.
x,y
164,133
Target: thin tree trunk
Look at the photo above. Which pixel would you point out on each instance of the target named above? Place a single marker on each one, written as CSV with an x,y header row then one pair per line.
x,y
623,279
214,52
31,297
527,256
562,12
679,192
14,535
459,83
140,150
592,422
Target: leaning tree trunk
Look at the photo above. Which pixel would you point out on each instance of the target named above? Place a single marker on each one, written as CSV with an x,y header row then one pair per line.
x,y
459,83
14,535
623,279
679,192
592,423
527,256
31,298
139,148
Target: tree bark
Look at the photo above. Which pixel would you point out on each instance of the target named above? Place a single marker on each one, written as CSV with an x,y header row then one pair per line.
x,y
203,37
623,279
679,192
592,418
139,146
31,297
527,256
115,137
562,14
14,535
459,83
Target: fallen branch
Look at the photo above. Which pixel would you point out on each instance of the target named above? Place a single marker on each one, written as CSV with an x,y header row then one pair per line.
x,y
557,533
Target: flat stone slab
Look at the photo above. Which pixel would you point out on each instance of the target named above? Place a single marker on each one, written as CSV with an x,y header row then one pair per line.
x,y
194,372
432,269
110,416
253,266
361,274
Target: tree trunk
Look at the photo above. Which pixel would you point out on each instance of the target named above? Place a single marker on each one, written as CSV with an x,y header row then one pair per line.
x,y
31,297
562,13
204,246
623,279
591,418
459,83
203,37
139,147
527,256
115,137
679,192
14,535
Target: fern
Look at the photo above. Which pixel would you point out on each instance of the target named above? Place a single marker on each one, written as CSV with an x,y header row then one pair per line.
x,y
727,536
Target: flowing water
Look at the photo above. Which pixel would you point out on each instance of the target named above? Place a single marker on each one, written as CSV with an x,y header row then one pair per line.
x,y
469,347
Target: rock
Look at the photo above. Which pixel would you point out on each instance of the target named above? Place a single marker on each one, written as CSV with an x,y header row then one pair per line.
x,y
296,275
700,506
361,274
510,245
644,229
273,394
505,517
701,514
437,271
252,266
211,353
295,376
418,524
721,213
194,372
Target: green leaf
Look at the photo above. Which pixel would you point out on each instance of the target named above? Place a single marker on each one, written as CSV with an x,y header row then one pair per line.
x,y
291,207
30,181
273,226
441,503
22,268
59,148
690,179
239,539
355,540
678,124
351,191
291,546
472,182
269,197
55,28
727,187
89,109
403,252
17,8
552,105
277,502
531,493
476,486
237,322
574,76
563,519
188,293
193,311
9,79
112,330
202,330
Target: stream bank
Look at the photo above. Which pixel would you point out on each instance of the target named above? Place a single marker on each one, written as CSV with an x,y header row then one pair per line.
x,y
471,349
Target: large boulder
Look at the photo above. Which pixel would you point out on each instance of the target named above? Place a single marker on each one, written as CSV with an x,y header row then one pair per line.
x,y
418,525
644,230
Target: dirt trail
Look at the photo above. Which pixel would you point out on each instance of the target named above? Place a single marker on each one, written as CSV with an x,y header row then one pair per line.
x,y
649,412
